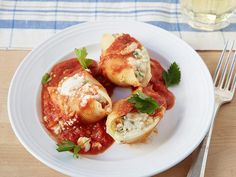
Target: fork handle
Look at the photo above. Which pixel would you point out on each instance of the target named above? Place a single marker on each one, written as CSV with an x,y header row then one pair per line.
x,y
198,166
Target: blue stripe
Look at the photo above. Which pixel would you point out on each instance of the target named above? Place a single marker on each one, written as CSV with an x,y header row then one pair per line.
x,y
231,27
186,27
89,12
87,1
21,24
174,26
171,26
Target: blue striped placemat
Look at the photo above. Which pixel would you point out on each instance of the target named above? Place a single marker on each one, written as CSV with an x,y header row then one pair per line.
x,y
26,23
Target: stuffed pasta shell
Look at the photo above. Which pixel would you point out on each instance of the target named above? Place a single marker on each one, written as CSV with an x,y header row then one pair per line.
x,y
124,60
81,95
127,124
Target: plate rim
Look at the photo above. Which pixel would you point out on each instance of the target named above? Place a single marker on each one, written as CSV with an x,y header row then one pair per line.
x,y
203,65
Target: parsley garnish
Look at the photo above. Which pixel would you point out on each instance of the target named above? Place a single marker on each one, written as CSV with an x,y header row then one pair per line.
x,y
67,145
172,76
143,103
46,78
81,57
76,151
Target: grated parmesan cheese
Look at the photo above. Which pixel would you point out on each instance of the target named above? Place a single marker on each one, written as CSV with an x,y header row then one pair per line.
x,y
97,145
56,129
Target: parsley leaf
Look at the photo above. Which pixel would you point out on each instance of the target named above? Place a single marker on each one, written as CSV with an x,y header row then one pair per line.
x,y
172,76
67,145
81,57
76,152
143,103
46,78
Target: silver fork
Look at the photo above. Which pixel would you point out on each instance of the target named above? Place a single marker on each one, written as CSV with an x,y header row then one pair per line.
x,y
224,92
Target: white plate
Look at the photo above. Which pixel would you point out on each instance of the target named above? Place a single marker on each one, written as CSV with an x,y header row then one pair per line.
x,y
179,133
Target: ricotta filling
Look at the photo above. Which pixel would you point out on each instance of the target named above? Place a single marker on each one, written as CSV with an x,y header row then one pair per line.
x,y
130,48
133,123
140,63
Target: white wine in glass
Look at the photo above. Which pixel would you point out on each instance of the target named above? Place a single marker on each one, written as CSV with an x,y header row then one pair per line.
x,y
208,15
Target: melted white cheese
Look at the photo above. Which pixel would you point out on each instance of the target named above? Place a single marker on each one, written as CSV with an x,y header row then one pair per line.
x,y
84,100
70,85
78,86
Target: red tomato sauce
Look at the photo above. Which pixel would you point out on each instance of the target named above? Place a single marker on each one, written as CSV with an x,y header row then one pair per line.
x,y
121,43
157,88
52,114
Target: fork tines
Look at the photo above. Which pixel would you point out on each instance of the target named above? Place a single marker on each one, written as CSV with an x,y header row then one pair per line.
x,y
225,69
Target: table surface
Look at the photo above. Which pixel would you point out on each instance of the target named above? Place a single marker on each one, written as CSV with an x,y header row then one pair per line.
x,y
16,161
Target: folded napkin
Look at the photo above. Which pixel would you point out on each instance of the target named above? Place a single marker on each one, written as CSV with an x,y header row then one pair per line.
x,y
26,23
